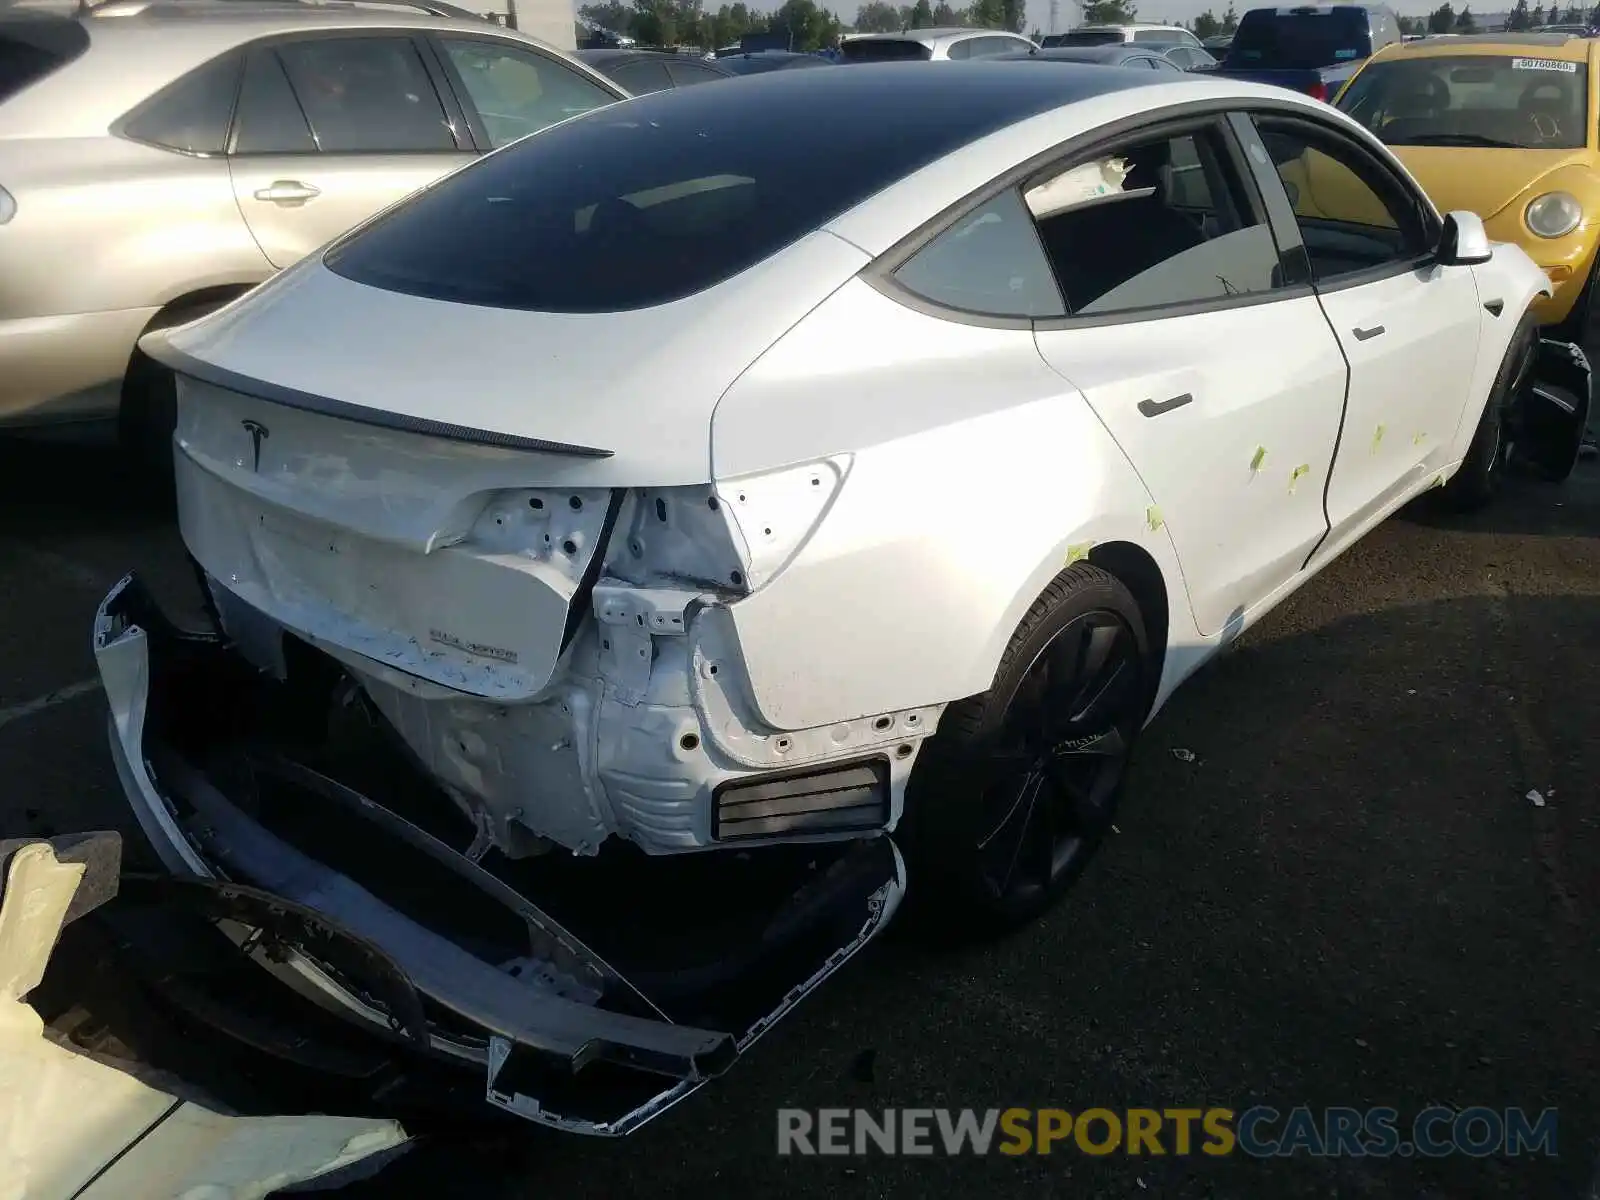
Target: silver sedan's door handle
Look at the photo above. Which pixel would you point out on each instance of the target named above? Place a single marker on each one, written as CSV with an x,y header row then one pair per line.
x,y
1363,335
288,191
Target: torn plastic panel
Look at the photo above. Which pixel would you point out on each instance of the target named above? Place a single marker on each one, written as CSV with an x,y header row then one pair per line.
x,y
649,984
1549,419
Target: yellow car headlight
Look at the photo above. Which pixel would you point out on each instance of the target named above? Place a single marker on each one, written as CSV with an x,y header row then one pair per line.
x,y
1553,215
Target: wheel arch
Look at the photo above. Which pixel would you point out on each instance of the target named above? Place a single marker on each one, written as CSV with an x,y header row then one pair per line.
x,y
185,306
1134,567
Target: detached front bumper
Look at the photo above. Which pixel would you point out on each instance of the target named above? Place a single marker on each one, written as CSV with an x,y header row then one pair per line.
x,y
381,917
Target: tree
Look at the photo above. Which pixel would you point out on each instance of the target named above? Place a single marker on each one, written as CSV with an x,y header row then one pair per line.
x,y
1016,15
943,14
878,16
614,15
1230,19
1412,25
1442,19
1553,17
1518,17
921,15
1464,21
1206,25
1573,15
984,14
809,27
1110,12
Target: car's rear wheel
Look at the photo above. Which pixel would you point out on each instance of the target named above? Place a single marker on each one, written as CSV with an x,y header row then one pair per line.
x,y
1478,479
1018,788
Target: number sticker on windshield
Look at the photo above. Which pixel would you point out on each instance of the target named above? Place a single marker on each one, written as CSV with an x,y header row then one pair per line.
x,y
1544,64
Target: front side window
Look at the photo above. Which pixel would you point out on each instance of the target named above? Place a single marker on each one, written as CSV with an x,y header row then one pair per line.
x,y
1528,103
1353,216
191,115
366,95
518,92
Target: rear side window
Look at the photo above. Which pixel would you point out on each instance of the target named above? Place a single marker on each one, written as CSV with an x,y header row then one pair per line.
x,y
1089,37
32,46
1300,40
640,203
988,262
367,95
1159,222
859,50
642,77
270,118
191,115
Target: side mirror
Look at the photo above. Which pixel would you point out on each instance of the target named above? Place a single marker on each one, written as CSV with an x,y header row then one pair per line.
x,y
1462,241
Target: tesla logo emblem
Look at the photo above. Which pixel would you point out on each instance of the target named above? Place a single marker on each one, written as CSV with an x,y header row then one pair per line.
x,y
258,434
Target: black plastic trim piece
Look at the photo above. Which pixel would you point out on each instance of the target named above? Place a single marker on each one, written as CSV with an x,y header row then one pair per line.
x,y
843,798
168,355
1154,408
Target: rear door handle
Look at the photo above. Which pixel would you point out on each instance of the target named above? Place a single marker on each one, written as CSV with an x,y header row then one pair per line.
x,y
1153,408
1363,335
288,191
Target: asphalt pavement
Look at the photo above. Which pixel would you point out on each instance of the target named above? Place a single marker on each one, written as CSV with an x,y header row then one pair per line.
x,y
1329,886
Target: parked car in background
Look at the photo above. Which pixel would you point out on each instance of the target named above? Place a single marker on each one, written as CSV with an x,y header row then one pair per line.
x,y
609,699
1117,54
1502,124
1218,45
1312,48
1097,35
1190,58
759,61
931,45
176,155
642,71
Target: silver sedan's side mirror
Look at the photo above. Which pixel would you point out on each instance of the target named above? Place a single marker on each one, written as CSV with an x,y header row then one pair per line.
x,y
1462,241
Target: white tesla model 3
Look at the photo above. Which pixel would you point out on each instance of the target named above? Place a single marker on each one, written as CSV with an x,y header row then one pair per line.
x,y
639,526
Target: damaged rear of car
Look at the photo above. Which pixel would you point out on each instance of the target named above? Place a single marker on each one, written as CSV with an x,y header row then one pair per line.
x,y
470,735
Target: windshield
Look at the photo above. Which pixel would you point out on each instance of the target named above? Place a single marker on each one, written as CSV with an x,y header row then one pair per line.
x,y
859,50
1295,41
1528,103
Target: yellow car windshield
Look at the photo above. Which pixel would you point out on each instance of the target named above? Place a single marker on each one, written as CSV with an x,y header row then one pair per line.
x,y
1524,102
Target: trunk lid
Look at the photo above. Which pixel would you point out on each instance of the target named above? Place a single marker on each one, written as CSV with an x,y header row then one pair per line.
x,y
638,385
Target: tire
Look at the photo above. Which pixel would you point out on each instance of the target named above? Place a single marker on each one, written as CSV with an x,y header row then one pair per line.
x,y
1478,479
1008,768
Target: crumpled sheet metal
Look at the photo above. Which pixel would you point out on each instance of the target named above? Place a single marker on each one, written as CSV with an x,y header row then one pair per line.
x,y
76,1128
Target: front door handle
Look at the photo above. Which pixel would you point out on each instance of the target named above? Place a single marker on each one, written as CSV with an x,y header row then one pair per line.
x,y
288,191
1153,408
1363,335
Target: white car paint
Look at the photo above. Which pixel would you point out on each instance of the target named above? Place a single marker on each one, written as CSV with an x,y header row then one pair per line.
x,y
893,491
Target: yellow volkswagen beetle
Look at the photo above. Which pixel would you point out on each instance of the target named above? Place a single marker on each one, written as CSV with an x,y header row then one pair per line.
x,y
1504,125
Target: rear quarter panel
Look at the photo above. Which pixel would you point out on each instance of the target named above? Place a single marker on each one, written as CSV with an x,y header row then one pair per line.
x,y
975,475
